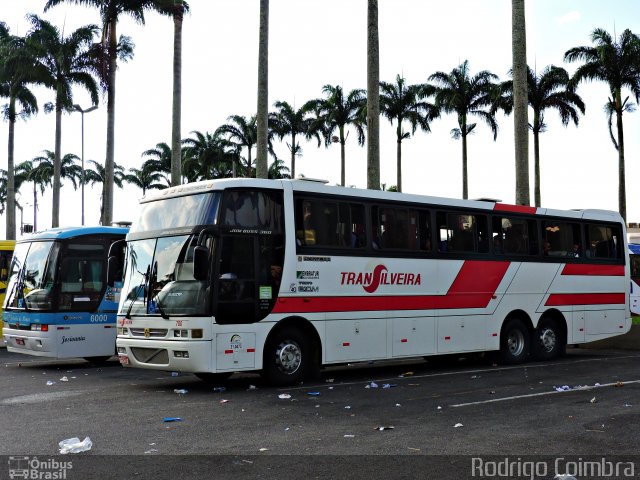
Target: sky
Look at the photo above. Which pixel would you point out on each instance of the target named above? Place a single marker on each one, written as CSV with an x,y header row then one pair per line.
x,y
317,42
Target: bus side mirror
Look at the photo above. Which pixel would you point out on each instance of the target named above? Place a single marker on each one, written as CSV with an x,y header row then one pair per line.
x,y
114,266
201,263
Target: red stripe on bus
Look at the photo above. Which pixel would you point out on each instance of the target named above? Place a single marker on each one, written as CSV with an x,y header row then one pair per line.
x,y
600,270
505,207
473,287
562,299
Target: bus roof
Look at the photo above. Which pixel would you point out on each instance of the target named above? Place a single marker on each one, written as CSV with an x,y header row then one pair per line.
x,y
72,232
315,186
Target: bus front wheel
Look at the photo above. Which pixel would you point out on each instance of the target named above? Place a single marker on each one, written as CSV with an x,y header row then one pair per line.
x,y
514,342
286,357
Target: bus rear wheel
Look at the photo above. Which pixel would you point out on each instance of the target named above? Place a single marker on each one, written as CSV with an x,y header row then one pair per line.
x,y
548,340
287,357
514,342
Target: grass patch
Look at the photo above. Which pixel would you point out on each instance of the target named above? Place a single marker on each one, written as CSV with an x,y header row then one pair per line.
x,y
635,320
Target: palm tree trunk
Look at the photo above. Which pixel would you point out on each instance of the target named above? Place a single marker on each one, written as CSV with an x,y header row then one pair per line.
x,y
262,168
520,101
373,99
293,155
107,214
622,191
176,152
399,159
249,161
465,190
57,168
342,157
11,192
536,153
35,207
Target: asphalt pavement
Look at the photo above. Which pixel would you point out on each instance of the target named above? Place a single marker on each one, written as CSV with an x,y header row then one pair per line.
x,y
402,419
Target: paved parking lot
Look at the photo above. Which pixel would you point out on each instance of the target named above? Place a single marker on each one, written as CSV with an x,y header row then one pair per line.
x,y
392,415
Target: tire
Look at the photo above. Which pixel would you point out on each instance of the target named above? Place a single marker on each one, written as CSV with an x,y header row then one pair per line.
x,y
213,378
515,342
549,340
288,357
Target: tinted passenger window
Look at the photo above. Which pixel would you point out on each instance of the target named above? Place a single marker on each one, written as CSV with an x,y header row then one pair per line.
x,y
330,224
603,242
253,209
514,236
401,228
462,233
561,239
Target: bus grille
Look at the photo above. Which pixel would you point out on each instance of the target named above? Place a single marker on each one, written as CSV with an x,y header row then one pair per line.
x,y
153,332
157,356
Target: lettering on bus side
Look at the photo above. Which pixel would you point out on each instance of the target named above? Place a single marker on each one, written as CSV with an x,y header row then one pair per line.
x,y
72,339
370,281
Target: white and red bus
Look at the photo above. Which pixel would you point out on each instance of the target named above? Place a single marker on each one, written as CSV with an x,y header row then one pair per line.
x,y
287,276
634,267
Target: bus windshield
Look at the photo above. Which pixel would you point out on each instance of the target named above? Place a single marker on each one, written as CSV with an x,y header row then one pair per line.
x,y
188,211
31,277
158,278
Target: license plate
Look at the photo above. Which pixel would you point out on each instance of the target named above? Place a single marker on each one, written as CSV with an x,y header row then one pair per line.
x,y
20,341
124,360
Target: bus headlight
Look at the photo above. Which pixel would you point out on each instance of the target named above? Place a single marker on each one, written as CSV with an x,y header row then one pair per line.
x,y
36,327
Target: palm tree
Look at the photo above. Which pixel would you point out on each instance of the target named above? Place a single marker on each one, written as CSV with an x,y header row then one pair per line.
x,y
278,169
402,102
520,116
68,62
262,133
144,179
98,174
69,168
176,10
550,90
242,133
460,93
617,65
110,12
34,171
208,156
373,98
17,72
335,112
288,121
159,160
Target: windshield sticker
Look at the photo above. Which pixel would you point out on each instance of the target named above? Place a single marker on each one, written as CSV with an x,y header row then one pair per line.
x,y
265,293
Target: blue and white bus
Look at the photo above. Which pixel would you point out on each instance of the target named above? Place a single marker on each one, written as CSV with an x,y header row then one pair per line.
x,y
58,303
634,266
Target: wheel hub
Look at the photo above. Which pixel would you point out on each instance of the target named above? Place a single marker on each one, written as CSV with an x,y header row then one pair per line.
x,y
288,357
548,339
515,342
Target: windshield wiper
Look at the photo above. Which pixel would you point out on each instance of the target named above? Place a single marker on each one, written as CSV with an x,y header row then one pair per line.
x,y
156,300
143,285
18,286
